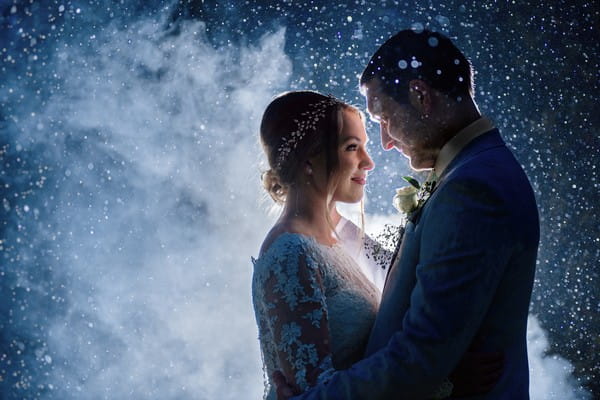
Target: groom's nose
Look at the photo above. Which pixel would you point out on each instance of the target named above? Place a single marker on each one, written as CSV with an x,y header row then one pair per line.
x,y
386,141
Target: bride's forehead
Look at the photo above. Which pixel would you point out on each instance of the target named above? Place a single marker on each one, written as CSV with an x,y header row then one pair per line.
x,y
354,131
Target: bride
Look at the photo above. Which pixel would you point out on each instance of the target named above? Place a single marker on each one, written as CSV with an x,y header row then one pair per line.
x,y
313,303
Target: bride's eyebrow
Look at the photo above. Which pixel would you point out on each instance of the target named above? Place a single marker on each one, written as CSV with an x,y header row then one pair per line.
x,y
349,138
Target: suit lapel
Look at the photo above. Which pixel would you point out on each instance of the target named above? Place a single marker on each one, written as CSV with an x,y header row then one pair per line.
x,y
395,254
483,142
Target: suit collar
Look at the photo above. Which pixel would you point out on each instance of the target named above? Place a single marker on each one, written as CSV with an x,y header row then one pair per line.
x,y
483,142
454,146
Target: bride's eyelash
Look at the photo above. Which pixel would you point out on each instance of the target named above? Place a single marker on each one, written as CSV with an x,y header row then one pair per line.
x,y
351,147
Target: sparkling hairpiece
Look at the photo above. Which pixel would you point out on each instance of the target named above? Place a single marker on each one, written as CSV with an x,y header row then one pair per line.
x,y
307,120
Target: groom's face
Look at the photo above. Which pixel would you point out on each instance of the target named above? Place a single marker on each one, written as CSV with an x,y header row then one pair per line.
x,y
400,126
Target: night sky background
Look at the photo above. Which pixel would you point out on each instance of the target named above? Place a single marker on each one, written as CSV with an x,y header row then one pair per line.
x,y
129,180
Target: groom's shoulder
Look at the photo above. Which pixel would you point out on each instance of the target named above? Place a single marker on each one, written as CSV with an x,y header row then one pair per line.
x,y
488,159
492,173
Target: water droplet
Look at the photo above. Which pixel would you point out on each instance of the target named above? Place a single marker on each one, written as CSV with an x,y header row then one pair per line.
x,y
402,64
443,21
417,27
433,41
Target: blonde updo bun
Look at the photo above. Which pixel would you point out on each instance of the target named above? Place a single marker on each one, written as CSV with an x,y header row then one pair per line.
x,y
273,185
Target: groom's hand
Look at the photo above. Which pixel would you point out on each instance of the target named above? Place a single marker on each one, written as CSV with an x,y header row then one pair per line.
x,y
284,390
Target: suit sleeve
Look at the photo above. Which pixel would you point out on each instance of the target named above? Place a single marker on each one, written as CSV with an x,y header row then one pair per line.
x,y
465,248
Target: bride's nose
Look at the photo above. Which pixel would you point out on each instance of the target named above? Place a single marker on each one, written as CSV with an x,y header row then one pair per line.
x,y
367,162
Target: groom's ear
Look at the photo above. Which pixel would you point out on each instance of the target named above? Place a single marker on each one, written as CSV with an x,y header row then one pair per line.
x,y
308,167
420,96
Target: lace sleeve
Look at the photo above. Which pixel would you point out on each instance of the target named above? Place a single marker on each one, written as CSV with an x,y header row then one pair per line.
x,y
297,315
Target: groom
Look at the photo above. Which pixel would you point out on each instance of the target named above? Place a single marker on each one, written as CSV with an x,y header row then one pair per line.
x,y
464,271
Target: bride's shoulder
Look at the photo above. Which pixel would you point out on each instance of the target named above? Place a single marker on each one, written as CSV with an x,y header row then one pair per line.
x,y
282,254
280,241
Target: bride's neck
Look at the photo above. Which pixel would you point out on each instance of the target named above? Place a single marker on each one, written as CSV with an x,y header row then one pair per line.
x,y
306,212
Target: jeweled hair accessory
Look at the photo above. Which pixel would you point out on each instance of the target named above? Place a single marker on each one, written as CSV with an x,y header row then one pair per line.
x,y
307,120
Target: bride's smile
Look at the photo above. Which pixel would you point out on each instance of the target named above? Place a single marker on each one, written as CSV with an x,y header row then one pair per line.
x,y
354,159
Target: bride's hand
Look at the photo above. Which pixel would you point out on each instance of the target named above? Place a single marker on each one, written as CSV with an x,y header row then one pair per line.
x,y
476,373
284,390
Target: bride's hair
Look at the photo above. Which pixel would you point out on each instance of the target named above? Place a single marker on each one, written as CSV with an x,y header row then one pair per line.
x,y
295,126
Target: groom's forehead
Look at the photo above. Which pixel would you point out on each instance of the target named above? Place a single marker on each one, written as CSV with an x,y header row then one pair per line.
x,y
374,104
373,94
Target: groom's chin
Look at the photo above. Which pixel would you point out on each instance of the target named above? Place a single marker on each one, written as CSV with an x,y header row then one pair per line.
x,y
415,166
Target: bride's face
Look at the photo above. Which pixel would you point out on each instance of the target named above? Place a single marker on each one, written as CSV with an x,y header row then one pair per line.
x,y
354,160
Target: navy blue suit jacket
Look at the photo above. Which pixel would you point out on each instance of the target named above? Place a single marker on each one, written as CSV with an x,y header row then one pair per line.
x,y
464,272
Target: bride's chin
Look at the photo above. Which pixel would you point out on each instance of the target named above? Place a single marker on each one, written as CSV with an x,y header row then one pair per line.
x,y
353,199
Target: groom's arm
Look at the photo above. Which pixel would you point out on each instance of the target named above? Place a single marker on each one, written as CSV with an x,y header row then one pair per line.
x,y
465,248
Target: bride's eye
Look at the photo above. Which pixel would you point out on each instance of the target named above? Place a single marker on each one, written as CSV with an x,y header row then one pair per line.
x,y
351,147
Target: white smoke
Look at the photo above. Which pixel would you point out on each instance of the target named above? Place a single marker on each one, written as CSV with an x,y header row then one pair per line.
x,y
159,212
550,375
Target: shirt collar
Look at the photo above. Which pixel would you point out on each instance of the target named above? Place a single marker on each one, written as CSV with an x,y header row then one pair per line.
x,y
459,141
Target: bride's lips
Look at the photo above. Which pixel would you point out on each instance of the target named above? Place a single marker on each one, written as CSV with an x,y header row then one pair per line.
x,y
360,180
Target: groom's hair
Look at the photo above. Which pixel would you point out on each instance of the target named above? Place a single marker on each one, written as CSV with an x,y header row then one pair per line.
x,y
425,55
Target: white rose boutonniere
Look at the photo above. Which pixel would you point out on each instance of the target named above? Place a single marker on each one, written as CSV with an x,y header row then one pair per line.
x,y
410,198
405,199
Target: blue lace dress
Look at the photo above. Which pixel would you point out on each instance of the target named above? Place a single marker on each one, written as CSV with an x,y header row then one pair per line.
x,y
314,309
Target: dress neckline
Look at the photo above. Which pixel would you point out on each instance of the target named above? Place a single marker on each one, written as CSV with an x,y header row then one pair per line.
x,y
302,236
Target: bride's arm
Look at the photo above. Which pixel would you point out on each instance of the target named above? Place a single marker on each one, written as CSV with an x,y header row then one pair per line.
x,y
300,322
